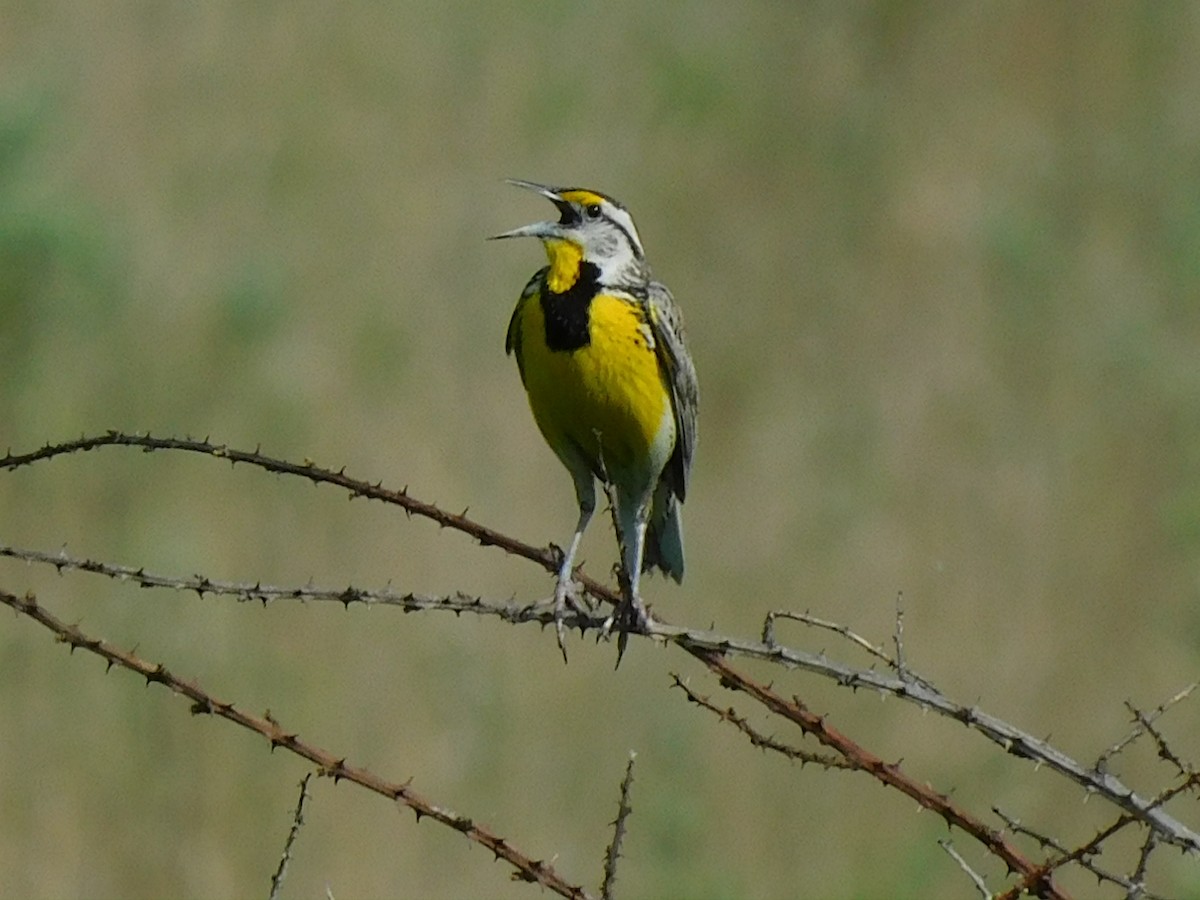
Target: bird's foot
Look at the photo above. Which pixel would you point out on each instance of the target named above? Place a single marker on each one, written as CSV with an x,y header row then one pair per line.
x,y
568,599
630,616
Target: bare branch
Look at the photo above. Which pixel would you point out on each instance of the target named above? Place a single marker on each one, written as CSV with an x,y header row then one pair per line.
x,y
1137,890
245,592
314,473
1146,723
1081,855
701,644
329,765
297,824
730,715
898,636
613,853
975,877
1139,730
768,633
889,773
710,648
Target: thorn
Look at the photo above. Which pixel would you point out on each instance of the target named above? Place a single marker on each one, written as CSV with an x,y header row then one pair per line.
x,y
559,632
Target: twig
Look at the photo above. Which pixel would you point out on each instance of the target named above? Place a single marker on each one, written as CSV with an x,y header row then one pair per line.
x,y
898,635
1081,855
1137,890
975,877
756,739
768,633
297,823
203,703
246,592
613,853
1164,749
1139,730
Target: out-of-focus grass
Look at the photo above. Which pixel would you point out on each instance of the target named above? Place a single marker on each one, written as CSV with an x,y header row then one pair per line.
x,y
940,272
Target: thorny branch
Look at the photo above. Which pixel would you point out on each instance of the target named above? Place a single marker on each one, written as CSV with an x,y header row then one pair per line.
x,y
1146,723
889,773
314,473
1081,855
293,833
329,765
1139,729
757,739
712,649
705,646
768,632
613,853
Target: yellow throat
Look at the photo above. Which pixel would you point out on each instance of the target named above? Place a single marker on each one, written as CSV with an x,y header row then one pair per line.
x,y
565,259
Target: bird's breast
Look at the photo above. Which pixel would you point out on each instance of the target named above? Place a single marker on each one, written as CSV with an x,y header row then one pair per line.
x,y
594,382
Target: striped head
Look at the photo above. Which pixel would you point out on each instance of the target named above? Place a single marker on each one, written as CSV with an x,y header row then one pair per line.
x,y
592,228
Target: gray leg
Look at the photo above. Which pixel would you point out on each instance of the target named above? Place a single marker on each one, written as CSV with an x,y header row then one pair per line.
x,y
632,520
585,493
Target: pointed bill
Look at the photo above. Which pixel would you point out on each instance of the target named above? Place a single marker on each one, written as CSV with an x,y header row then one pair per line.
x,y
546,191
539,229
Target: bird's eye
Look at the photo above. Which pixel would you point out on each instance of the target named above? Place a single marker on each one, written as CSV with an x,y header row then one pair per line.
x,y
592,210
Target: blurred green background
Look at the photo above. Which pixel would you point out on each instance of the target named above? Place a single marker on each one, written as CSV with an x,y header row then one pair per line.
x,y
941,270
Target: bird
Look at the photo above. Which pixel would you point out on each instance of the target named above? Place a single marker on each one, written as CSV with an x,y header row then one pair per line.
x,y
600,349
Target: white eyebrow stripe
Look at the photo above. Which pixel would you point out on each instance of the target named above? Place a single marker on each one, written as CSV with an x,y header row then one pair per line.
x,y
634,243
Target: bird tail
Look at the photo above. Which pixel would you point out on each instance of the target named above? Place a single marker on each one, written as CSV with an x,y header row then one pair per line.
x,y
664,535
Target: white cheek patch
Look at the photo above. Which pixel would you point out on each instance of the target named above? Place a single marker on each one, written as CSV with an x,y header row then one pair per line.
x,y
612,256
608,244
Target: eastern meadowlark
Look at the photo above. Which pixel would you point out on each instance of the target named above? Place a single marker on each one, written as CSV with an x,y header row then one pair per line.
x,y
600,348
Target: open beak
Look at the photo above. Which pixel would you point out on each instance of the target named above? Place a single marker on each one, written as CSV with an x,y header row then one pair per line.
x,y
539,229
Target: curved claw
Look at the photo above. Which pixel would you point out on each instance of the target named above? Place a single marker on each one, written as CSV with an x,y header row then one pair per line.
x,y
564,598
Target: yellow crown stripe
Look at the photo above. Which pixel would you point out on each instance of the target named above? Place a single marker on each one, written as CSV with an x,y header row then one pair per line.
x,y
582,196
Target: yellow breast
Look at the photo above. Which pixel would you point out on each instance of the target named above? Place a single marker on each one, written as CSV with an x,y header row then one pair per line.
x,y
607,398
